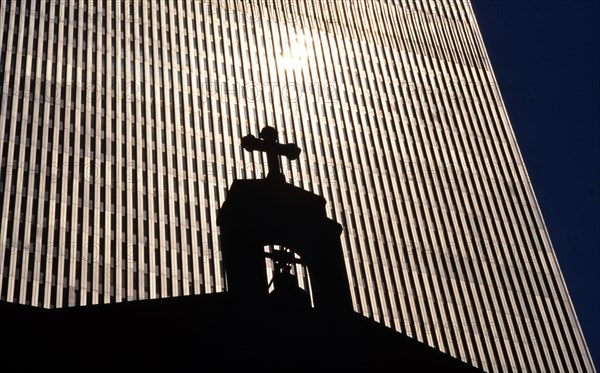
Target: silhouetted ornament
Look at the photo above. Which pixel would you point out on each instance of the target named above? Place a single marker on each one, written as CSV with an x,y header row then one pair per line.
x,y
287,293
268,143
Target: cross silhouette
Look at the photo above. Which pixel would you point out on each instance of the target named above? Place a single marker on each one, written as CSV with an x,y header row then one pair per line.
x,y
269,145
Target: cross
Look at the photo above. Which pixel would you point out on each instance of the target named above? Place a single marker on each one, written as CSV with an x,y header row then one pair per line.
x,y
269,145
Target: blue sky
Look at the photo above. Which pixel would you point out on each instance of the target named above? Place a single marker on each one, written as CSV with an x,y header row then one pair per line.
x,y
546,57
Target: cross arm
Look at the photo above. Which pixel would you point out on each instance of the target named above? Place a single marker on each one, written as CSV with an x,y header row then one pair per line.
x,y
251,143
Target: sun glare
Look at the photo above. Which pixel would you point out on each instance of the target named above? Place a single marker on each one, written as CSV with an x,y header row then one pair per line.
x,y
295,55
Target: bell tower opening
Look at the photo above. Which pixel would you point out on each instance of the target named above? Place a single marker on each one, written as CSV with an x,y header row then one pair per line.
x,y
286,272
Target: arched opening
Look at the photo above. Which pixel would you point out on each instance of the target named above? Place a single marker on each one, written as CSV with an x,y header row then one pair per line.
x,y
282,263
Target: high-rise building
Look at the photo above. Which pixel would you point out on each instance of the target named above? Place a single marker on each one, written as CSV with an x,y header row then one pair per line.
x,y
120,128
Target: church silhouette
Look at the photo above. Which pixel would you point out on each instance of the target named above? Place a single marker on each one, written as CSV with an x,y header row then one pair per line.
x,y
249,327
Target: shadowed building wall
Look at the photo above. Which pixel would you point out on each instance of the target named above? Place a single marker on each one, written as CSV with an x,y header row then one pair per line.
x,y
119,131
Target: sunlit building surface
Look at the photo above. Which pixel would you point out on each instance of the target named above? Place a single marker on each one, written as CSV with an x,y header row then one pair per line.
x,y
120,128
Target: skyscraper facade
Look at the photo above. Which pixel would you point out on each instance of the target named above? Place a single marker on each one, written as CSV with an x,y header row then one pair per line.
x,y
120,128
